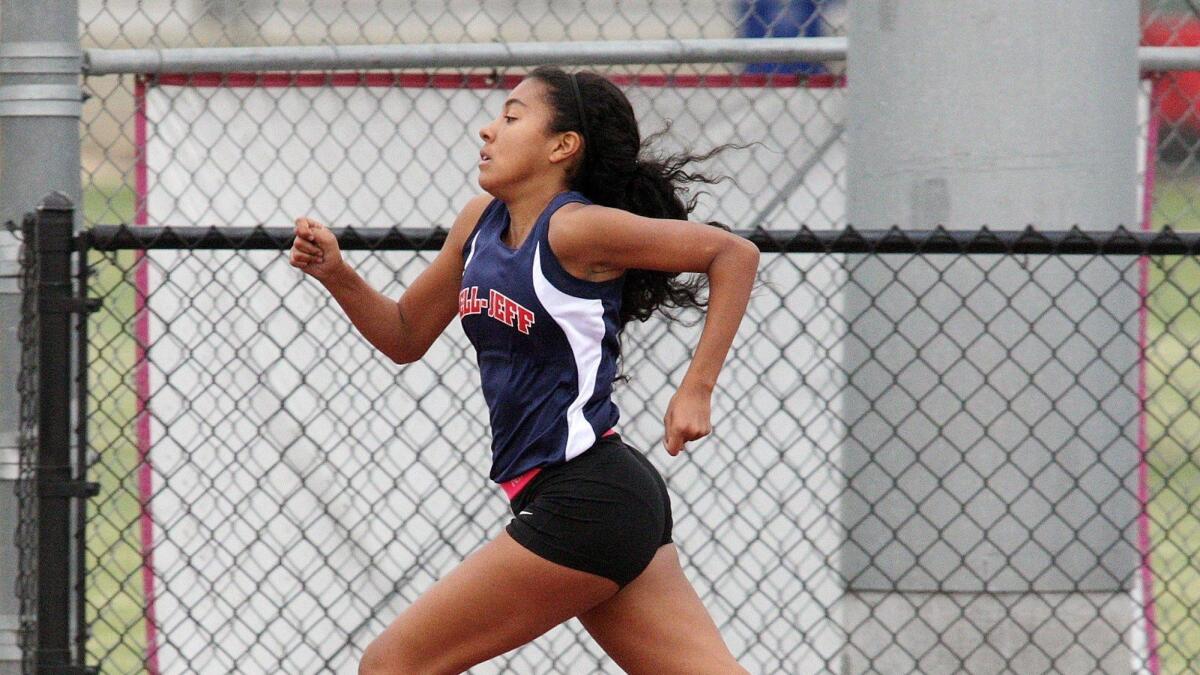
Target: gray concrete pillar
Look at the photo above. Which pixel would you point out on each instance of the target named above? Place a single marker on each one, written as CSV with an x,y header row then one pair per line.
x,y
10,354
991,447
40,102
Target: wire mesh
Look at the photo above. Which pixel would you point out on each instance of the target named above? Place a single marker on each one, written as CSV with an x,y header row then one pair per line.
x,y
393,168
382,148
241,312
274,492
1176,114
109,133
26,486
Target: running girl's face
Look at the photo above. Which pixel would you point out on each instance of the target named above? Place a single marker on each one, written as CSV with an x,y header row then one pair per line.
x,y
518,145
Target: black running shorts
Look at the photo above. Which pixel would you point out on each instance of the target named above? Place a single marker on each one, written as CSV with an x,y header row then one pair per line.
x,y
605,512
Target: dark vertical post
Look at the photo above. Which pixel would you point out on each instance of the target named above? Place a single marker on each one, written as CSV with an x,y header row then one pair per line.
x,y
83,271
55,303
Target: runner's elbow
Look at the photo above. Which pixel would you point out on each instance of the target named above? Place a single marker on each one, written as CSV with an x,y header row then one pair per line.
x,y
737,254
405,354
404,358
749,250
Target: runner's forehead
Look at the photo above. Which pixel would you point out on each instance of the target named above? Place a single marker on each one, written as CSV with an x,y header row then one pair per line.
x,y
527,93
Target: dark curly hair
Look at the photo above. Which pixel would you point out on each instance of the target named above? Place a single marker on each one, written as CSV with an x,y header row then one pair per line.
x,y
621,170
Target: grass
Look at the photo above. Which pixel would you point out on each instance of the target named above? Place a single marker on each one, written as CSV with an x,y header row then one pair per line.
x,y
115,595
115,600
1173,406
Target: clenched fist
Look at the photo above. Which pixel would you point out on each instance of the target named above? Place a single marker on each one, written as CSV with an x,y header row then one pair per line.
x,y
315,250
688,418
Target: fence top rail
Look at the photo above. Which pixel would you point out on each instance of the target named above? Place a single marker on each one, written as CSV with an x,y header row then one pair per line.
x,y
501,54
461,55
1074,241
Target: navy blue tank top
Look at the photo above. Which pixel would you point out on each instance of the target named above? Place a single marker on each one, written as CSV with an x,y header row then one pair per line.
x,y
546,342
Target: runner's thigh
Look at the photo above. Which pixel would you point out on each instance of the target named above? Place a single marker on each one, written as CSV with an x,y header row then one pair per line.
x,y
657,624
499,598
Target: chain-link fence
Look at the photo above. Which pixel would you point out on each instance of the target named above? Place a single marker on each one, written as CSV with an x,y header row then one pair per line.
x,y
377,150
384,148
112,150
255,511
52,432
934,452
1174,132
27,385
1176,115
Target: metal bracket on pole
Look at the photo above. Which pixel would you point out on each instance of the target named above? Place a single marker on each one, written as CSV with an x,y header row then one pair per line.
x,y
62,58
68,489
41,100
10,456
59,305
37,99
68,670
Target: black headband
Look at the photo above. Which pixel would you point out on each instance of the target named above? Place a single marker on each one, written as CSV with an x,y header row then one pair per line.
x,y
579,105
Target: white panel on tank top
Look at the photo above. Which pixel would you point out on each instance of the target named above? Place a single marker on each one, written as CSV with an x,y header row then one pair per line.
x,y
582,321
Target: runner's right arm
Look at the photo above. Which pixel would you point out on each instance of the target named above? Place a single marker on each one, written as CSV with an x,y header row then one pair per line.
x,y
402,329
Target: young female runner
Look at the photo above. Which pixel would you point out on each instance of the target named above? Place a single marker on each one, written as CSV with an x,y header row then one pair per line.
x,y
579,232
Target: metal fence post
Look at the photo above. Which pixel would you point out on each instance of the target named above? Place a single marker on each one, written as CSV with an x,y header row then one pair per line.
x,y
56,487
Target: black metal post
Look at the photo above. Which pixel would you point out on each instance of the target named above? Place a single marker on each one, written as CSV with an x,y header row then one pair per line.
x,y
54,480
83,272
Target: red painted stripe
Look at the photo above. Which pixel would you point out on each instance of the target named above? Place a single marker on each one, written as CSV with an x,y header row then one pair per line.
x,y
142,376
489,81
483,80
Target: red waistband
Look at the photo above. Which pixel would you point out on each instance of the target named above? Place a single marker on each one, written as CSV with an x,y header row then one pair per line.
x,y
513,486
